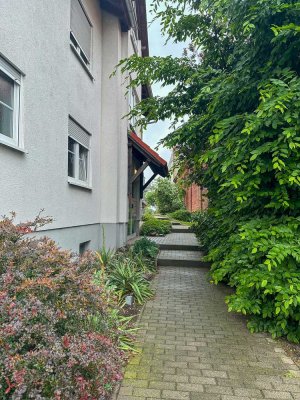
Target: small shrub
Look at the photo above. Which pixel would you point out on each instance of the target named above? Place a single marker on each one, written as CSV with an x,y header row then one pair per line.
x,y
146,247
126,279
182,215
57,337
148,214
105,255
155,227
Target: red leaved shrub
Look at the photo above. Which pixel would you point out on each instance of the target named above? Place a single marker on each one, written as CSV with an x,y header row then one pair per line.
x,y
57,340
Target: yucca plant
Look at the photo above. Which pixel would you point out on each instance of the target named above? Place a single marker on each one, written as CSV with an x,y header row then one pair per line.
x,y
145,265
125,330
126,279
116,322
104,256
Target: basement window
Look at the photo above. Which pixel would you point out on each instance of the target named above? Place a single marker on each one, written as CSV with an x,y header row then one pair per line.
x,y
84,246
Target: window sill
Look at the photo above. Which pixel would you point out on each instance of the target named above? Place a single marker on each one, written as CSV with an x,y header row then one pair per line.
x,y
82,62
12,146
75,182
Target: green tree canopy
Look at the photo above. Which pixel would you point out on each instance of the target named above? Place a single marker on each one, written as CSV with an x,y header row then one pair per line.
x,y
165,196
234,107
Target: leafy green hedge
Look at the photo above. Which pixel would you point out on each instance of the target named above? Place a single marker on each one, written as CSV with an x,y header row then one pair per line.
x,y
262,262
181,215
155,227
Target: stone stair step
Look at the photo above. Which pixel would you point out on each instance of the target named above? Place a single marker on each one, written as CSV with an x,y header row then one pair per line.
x,y
183,247
179,258
181,229
182,263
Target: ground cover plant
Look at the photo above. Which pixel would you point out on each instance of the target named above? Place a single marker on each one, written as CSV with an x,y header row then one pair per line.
x,y
58,336
235,111
155,227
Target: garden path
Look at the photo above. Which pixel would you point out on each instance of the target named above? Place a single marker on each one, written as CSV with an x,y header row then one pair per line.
x,y
193,349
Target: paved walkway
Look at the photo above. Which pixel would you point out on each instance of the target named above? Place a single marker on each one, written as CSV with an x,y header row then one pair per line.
x,y
193,349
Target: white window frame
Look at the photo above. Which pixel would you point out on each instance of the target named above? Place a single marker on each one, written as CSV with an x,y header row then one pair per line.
x,y
15,140
75,180
133,100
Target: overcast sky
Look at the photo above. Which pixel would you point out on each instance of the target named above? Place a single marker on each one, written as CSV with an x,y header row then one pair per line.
x,y
158,48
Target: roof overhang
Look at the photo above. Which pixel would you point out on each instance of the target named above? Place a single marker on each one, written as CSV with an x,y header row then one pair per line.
x,y
124,10
120,10
129,18
144,153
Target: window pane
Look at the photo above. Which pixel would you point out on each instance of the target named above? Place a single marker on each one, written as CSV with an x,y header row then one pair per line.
x,y
71,144
71,157
6,89
83,158
6,121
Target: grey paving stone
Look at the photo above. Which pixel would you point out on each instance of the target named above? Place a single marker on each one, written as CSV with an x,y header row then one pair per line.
x,y
180,255
176,238
193,349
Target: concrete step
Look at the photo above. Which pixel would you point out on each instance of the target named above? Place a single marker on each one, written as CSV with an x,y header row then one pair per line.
x,y
179,258
180,229
183,247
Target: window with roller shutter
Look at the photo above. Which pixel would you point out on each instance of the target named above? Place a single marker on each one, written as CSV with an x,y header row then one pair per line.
x,y
80,31
78,153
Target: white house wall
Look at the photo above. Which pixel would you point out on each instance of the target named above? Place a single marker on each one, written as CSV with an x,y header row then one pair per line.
x,y
34,35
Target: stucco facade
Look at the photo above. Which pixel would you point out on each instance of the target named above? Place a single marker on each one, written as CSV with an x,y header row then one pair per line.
x,y
35,38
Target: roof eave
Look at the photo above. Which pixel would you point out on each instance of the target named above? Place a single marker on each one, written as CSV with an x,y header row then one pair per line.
x,y
157,163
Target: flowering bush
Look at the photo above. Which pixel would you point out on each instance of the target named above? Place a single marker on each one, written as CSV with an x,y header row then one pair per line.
x,y
57,340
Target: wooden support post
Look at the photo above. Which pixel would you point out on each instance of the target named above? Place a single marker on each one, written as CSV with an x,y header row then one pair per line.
x,y
129,174
139,171
149,181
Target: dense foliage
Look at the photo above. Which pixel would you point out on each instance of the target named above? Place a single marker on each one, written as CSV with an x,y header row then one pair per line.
x,y
164,195
155,227
181,215
59,336
235,105
146,248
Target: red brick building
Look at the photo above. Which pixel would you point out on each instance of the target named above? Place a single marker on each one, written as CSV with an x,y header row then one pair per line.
x,y
195,198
